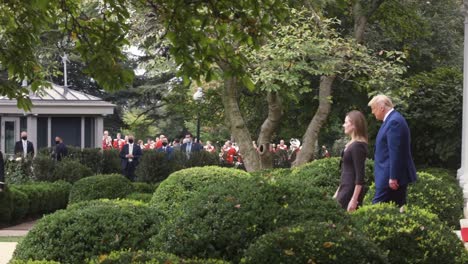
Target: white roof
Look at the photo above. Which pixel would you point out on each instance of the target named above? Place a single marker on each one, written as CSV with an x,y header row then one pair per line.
x,y
58,99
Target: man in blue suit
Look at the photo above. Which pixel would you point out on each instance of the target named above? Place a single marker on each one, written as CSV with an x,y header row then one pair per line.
x,y
130,157
393,163
166,149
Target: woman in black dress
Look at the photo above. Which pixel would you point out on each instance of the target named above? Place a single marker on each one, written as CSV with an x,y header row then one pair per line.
x,y
350,193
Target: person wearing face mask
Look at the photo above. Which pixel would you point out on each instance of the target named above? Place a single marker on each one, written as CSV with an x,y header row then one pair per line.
x,y
60,150
24,147
166,149
130,157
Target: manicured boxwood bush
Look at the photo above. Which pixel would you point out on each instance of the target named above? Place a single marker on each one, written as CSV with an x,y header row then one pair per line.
x,y
156,166
134,257
325,173
44,167
110,161
201,159
89,229
20,204
143,187
444,174
440,197
110,186
415,236
184,184
312,242
71,170
272,174
6,206
143,197
223,218
33,262
45,197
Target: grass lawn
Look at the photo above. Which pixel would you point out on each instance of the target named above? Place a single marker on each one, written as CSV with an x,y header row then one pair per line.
x,y
11,239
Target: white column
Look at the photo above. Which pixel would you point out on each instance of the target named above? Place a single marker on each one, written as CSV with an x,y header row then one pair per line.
x,y
462,175
31,121
49,131
98,131
82,132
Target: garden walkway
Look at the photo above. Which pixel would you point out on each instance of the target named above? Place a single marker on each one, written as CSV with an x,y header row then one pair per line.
x,y
7,248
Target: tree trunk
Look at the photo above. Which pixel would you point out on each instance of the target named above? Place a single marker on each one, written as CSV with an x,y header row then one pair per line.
x,y
310,137
236,124
269,126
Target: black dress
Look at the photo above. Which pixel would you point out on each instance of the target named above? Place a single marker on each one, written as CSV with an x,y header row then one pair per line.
x,y
353,164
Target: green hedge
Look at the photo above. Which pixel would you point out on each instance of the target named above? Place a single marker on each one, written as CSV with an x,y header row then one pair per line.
x,y
221,219
100,186
155,166
88,229
140,257
111,161
439,196
34,199
184,184
45,197
416,236
44,167
312,242
71,170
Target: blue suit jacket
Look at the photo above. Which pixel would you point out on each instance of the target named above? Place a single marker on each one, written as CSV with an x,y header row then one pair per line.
x,y
169,151
393,159
137,153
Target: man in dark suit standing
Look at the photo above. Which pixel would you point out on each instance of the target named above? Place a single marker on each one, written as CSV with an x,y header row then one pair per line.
x,y
190,146
60,150
130,157
393,163
166,149
24,147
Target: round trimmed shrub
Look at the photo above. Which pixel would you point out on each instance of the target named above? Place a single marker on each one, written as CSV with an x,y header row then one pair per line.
x,y
33,262
326,173
312,242
109,186
88,229
222,219
143,187
443,174
201,159
71,170
134,257
143,197
183,184
434,194
415,236
272,174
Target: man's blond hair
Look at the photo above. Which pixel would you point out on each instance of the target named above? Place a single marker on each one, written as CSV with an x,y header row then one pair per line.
x,y
381,99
